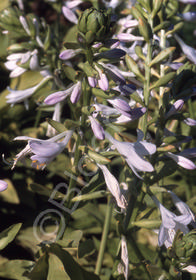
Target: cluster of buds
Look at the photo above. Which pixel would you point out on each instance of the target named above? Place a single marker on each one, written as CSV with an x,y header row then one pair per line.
x,y
93,25
183,250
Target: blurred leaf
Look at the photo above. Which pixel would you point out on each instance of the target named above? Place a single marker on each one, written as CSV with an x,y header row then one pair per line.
x,y
4,4
37,188
15,269
71,239
10,195
57,125
56,269
71,267
8,235
40,270
86,248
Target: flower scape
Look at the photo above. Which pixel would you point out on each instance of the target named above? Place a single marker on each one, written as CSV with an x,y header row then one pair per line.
x,y
98,139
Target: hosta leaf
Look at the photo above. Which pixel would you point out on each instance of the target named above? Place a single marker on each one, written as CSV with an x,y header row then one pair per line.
x,y
8,235
15,269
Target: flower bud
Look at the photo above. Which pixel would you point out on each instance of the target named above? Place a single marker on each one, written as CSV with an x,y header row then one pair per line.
x,y
93,25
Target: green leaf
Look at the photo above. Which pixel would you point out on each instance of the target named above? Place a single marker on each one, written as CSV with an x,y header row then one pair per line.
x,y
37,188
163,81
132,65
86,248
72,268
40,270
57,125
8,235
146,223
15,269
71,239
56,269
162,55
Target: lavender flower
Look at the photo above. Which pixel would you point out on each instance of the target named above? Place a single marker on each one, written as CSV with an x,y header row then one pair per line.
x,y
44,151
102,80
124,265
182,161
67,10
97,128
68,54
190,122
17,96
189,16
3,185
175,108
76,92
171,223
187,50
59,96
113,187
134,153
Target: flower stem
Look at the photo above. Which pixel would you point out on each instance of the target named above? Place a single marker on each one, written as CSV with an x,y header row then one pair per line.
x,y
104,237
147,87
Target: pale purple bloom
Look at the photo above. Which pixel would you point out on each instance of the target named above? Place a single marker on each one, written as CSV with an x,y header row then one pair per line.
x,y
69,15
177,106
44,151
51,131
131,23
121,105
174,65
69,8
114,73
17,96
25,25
113,186
92,81
12,63
136,113
126,37
182,206
189,16
59,96
3,185
97,128
171,223
182,161
134,153
104,109
187,50
188,1
102,80
190,122
190,268
68,54
37,37
189,152
76,92
124,265
126,89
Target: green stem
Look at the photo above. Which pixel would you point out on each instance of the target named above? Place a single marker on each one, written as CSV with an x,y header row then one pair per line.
x,y
147,86
104,237
139,255
162,71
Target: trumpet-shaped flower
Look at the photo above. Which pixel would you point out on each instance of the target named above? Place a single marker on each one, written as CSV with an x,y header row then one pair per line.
x,y
124,265
113,186
44,151
187,50
3,185
182,161
17,96
58,96
134,153
97,128
171,223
